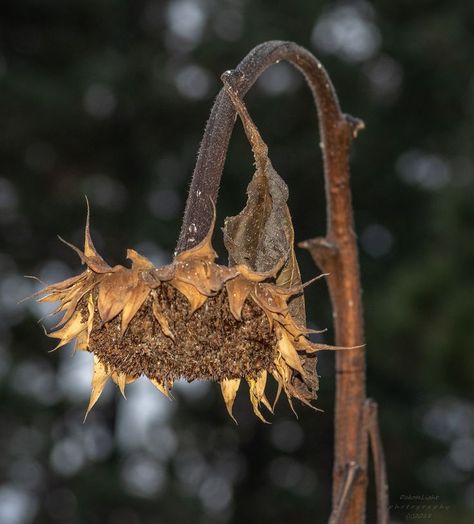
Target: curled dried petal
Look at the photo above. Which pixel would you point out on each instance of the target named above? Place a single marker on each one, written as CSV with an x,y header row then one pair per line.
x,y
195,298
115,290
162,320
238,290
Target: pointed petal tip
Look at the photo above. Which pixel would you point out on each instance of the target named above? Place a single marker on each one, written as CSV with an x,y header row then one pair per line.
x,y
161,388
80,254
121,380
229,389
89,249
257,395
100,377
138,260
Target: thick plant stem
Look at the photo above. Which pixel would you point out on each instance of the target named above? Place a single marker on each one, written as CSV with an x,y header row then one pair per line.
x,y
336,253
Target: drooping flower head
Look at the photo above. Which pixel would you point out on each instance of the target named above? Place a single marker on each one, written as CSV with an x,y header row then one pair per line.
x,y
191,319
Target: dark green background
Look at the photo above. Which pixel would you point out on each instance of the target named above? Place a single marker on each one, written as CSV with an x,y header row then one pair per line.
x,y
109,99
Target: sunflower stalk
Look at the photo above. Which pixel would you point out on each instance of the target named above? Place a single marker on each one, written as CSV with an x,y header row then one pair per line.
x,y
335,254
196,319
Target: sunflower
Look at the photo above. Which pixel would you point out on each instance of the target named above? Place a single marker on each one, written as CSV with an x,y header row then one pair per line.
x,y
191,319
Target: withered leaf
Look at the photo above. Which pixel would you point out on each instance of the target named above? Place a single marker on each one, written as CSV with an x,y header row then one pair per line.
x,y
261,235
309,386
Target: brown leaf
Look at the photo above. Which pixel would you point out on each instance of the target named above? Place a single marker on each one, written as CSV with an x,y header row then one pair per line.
x,y
262,233
308,386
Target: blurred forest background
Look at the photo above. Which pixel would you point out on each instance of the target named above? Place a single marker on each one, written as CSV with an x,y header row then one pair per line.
x,y
109,99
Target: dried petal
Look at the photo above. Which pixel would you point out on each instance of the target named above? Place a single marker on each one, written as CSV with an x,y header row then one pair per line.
x,y
138,261
70,331
277,396
195,298
257,394
161,319
237,290
60,286
296,331
288,352
121,380
93,260
265,296
100,377
81,342
229,388
90,316
205,276
115,290
72,304
204,249
163,389
260,276
134,303
312,347
260,384
282,374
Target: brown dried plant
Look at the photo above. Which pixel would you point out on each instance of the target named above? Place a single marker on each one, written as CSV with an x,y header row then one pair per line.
x,y
195,319
192,319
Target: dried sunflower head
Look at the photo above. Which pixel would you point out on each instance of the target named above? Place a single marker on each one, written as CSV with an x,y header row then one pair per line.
x,y
191,319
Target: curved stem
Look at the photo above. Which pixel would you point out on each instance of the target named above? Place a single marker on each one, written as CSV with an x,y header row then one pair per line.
x,y
213,150
335,254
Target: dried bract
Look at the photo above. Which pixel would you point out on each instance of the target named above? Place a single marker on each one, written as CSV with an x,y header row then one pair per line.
x,y
191,319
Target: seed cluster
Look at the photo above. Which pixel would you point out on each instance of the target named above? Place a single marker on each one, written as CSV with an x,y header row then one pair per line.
x,y
210,344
